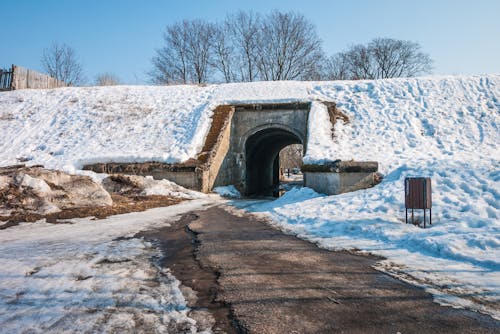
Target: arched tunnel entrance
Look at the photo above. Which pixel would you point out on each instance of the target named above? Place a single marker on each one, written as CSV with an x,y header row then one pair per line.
x,y
262,160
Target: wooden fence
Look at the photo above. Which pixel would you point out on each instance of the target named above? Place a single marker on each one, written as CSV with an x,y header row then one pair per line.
x,y
21,78
5,79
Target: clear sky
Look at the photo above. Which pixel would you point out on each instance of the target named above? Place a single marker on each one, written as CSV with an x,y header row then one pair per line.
x,y
120,36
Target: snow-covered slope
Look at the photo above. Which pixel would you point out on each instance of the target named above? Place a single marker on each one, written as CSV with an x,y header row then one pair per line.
x,y
409,121
68,127
392,121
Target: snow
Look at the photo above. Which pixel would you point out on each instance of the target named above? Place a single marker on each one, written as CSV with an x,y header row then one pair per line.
x,y
319,140
38,186
418,121
150,186
446,128
66,128
90,276
227,191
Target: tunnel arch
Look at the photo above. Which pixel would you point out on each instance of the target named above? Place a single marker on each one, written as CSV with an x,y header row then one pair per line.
x,y
262,147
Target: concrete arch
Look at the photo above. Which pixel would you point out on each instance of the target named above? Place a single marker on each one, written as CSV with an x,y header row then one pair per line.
x,y
281,126
256,134
262,158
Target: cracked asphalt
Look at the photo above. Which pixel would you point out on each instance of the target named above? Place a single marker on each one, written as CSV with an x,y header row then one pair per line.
x,y
253,278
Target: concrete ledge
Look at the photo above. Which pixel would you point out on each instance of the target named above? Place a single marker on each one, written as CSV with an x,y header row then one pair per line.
x,y
339,166
184,174
274,106
338,177
140,167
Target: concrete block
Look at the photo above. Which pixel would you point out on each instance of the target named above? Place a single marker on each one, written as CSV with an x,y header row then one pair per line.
x,y
340,176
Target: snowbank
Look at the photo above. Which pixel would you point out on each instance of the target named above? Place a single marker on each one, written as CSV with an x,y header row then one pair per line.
x,y
147,186
413,122
68,127
41,191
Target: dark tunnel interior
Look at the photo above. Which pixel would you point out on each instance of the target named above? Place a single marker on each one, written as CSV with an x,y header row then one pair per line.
x,y
262,160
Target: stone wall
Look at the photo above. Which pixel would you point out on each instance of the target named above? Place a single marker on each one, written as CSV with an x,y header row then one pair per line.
x,y
216,147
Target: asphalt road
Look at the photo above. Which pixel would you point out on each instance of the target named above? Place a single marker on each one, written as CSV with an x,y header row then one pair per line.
x,y
253,278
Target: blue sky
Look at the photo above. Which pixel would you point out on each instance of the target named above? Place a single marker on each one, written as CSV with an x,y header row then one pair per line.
x,y
120,36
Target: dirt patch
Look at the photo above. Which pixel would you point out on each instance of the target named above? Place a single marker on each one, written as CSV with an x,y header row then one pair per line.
x,y
28,194
121,204
335,114
42,191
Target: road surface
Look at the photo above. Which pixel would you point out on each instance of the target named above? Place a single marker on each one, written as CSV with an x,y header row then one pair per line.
x,y
253,278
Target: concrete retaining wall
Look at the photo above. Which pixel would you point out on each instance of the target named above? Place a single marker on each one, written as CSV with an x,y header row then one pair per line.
x,y
184,175
341,177
217,151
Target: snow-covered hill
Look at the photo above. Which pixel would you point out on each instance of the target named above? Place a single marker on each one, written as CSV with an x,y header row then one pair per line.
x,y
447,128
392,121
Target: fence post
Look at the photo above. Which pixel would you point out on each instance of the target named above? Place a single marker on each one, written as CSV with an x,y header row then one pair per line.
x,y
13,82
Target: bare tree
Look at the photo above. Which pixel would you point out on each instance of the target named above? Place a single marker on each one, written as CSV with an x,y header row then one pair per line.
x,y
244,31
289,48
337,67
379,59
200,49
361,64
106,79
397,58
245,47
61,62
291,157
186,56
171,61
224,53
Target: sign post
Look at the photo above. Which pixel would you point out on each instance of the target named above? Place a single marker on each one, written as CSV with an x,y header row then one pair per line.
x,y
418,195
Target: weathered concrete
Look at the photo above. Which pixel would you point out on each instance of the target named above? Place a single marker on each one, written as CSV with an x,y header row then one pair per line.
x,y
183,174
258,133
340,176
